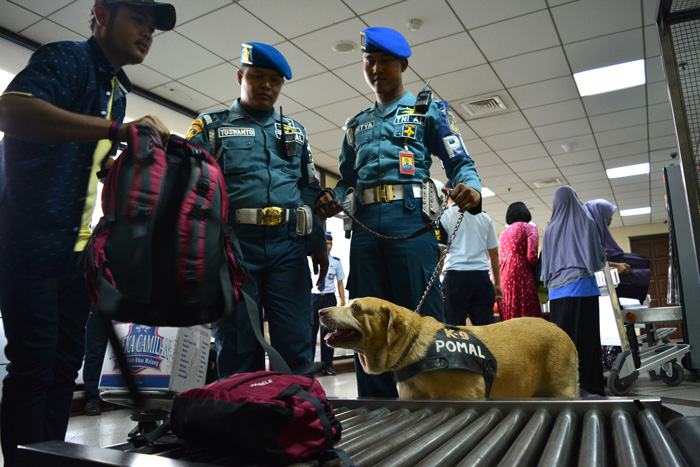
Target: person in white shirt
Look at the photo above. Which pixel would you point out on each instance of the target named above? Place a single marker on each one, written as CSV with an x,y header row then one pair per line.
x,y
323,296
468,289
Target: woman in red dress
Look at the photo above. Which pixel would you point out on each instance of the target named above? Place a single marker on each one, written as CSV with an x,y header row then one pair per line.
x,y
518,258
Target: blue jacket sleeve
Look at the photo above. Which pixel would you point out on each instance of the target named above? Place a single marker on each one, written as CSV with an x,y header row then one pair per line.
x,y
310,187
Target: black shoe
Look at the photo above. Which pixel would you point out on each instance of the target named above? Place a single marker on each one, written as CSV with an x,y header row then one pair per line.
x,y
328,371
92,408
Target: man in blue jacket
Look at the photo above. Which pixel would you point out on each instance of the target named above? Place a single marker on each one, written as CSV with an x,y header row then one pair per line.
x,y
385,155
62,117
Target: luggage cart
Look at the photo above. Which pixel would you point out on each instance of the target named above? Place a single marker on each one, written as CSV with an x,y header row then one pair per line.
x,y
657,358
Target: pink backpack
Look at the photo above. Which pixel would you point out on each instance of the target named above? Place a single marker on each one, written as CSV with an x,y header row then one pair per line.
x,y
264,416
161,254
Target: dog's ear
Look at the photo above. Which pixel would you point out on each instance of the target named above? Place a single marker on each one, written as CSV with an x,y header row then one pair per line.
x,y
396,325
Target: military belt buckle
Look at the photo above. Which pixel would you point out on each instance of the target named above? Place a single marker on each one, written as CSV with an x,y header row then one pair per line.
x,y
383,193
273,216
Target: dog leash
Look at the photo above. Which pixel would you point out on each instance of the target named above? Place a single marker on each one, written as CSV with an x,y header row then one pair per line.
x,y
436,272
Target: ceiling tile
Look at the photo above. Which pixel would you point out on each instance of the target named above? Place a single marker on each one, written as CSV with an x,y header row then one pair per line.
x,y
615,101
622,135
171,45
465,84
145,77
476,14
313,122
545,92
576,158
42,7
364,6
15,18
214,32
532,67
596,167
534,31
459,47
569,129
322,89
626,149
619,16
339,112
658,112
502,123
45,31
76,16
319,44
615,120
219,82
328,141
521,153
294,17
301,64
553,113
512,139
187,10
186,96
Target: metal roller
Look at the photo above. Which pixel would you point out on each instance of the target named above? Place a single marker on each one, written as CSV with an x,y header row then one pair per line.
x,y
343,413
529,443
592,451
409,455
559,449
382,449
496,443
362,417
372,424
358,444
456,448
663,449
628,450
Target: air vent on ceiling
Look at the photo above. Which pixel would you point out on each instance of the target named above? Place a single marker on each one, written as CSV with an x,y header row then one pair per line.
x,y
485,106
548,183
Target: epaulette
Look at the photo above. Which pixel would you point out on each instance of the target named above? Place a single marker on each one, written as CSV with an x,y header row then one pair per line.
x,y
350,132
335,258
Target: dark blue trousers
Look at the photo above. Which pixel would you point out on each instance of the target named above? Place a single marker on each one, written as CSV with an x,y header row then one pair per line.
x,y
397,271
44,320
96,339
279,281
468,294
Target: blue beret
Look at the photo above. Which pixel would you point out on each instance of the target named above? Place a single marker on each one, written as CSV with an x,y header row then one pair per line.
x,y
265,56
384,40
329,236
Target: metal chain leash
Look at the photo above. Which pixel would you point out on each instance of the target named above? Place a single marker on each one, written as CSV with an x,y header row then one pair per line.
x,y
436,272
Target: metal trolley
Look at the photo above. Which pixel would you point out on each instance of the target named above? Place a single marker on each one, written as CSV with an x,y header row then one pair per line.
x,y
658,357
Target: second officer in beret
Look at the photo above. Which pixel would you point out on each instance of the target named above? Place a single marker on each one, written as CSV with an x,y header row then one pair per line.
x,y
270,177
385,154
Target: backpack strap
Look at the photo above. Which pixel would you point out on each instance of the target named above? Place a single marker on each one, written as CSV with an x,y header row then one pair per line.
x,y
277,362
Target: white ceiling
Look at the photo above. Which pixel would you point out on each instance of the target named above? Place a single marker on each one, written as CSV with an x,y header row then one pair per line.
x,y
522,51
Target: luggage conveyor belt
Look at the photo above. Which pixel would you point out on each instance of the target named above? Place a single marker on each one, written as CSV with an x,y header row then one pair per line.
x,y
378,432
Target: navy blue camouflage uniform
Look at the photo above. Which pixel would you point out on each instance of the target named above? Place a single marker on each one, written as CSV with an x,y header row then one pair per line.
x,y
247,145
373,155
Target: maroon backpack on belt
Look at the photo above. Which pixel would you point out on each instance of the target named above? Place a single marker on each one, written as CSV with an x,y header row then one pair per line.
x,y
262,416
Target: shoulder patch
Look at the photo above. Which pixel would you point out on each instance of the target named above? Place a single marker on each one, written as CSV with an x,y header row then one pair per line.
x,y
195,128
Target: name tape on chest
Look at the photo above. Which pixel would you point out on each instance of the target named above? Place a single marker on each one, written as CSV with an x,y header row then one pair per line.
x,y
226,132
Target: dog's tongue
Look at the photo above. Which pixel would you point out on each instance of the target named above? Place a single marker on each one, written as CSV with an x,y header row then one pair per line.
x,y
340,333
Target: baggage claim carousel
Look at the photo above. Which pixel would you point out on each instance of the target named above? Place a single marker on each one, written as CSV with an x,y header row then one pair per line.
x,y
381,432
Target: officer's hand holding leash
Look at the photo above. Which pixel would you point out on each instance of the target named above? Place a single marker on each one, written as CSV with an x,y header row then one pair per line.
x,y
464,196
327,205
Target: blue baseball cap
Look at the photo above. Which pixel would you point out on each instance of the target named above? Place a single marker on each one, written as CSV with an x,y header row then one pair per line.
x,y
329,236
384,40
265,56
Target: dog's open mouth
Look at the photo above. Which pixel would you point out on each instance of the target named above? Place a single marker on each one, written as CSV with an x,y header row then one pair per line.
x,y
342,335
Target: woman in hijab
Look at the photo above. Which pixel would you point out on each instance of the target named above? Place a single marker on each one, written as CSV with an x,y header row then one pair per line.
x,y
518,258
602,212
571,254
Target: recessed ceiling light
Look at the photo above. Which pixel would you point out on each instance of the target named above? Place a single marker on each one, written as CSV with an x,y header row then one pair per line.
x,y
485,192
344,47
635,211
610,78
628,170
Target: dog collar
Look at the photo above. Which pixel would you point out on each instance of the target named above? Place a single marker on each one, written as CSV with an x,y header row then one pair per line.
x,y
405,352
453,348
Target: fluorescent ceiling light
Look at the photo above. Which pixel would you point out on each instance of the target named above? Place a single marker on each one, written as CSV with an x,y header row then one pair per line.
x,y
610,78
635,211
485,192
628,170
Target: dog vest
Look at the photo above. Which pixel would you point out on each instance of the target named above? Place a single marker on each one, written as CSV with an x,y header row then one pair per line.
x,y
454,348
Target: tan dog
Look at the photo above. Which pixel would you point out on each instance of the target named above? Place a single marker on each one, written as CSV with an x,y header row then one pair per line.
x,y
534,357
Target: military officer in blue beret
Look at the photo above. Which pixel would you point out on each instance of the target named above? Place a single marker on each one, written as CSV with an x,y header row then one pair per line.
x,y
271,184
385,154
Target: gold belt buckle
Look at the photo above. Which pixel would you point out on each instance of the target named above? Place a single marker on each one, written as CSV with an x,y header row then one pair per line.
x,y
383,193
273,216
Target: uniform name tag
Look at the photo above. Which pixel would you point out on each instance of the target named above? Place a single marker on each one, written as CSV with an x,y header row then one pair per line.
x,y
364,126
226,131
